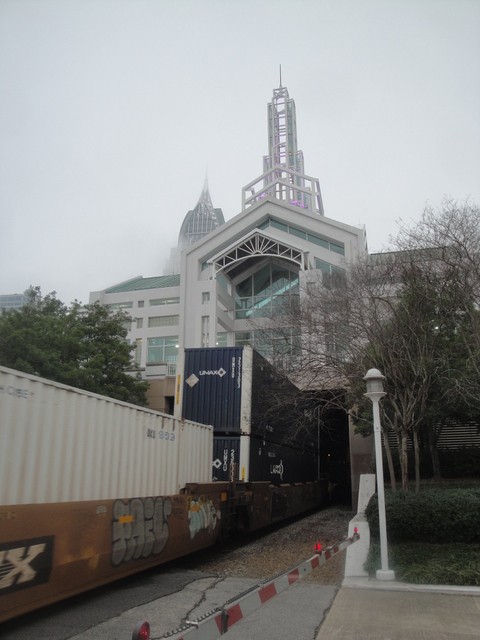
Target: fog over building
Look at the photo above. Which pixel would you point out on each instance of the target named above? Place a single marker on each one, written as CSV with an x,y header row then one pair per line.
x,y
10,301
224,275
198,222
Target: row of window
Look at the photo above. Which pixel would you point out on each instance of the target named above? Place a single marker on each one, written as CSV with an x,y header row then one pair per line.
x,y
159,321
322,241
116,306
269,343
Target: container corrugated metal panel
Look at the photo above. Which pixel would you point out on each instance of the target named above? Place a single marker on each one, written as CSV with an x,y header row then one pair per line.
x,y
212,392
226,451
269,461
60,444
274,411
281,464
196,456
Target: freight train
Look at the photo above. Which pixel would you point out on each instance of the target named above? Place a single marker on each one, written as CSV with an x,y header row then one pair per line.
x,y
93,489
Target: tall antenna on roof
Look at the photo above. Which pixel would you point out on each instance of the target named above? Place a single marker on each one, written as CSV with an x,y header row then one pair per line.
x,y
280,76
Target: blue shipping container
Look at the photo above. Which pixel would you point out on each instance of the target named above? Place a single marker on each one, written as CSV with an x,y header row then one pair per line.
x,y
212,389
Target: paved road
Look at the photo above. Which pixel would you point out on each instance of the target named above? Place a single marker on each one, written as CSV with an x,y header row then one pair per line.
x,y
165,599
76,615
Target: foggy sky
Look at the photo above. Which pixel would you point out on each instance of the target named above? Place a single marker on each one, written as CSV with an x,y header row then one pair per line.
x,y
112,112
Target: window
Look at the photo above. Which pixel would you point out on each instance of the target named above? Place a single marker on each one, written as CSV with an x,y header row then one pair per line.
x,y
160,301
322,241
163,321
332,276
334,344
139,323
224,283
222,339
273,345
115,306
162,350
316,240
205,331
264,293
205,297
137,356
297,232
278,225
141,303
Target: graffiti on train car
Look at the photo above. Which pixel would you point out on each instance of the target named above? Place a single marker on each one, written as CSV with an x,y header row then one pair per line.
x,y
139,528
202,515
25,563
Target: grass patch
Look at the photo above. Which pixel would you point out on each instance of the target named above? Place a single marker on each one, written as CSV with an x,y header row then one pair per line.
x,y
426,563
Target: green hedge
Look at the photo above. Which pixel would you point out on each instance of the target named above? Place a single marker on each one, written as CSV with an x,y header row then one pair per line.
x,y
420,563
434,515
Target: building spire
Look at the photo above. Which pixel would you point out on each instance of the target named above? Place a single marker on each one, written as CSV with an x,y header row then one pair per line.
x,y
284,175
201,220
205,182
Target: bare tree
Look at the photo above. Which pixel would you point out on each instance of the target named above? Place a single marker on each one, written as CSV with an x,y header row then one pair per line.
x,y
412,312
454,230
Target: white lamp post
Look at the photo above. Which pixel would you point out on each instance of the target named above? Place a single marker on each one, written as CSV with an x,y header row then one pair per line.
x,y
375,392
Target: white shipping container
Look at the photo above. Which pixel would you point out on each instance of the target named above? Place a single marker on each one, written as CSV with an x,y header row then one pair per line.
x,y
61,444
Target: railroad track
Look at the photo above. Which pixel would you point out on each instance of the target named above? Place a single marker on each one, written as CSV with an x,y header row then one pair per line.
x,y
271,551
243,561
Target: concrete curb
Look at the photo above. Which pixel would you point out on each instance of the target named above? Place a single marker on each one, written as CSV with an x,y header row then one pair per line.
x,y
379,585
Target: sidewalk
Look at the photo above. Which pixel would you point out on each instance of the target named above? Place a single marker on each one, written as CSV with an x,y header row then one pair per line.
x,y
367,609
371,610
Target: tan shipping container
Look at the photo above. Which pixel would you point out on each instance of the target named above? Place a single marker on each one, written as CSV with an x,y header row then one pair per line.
x,y
61,444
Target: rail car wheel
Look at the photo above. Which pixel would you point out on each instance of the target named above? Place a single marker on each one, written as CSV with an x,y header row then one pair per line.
x,y
243,520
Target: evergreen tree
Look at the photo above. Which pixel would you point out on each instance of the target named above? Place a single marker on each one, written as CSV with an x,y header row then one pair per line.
x,y
82,346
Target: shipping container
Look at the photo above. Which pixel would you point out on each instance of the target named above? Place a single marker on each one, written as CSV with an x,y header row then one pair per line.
x,y
269,461
61,444
93,490
217,387
253,412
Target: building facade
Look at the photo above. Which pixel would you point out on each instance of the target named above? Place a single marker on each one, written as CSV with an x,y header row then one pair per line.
x,y
9,301
231,274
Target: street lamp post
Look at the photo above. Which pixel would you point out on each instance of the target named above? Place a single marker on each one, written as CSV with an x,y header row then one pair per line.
x,y
375,392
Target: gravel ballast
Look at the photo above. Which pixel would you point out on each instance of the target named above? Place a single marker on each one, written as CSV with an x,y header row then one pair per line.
x,y
274,551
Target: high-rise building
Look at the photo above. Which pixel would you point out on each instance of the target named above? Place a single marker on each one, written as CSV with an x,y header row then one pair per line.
x,y
10,301
232,277
232,274
200,221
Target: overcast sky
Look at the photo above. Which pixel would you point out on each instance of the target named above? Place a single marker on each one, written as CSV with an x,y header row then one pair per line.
x,y
112,111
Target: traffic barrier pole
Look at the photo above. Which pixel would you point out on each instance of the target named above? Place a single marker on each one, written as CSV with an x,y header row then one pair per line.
x,y
218,621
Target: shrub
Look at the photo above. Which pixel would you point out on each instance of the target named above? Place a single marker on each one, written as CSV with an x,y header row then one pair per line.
x,y
420,563
434,515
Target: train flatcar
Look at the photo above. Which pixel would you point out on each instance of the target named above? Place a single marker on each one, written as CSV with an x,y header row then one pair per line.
x,y
93,489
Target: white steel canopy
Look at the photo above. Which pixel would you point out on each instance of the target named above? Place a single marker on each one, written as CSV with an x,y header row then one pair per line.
x,y
256,244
